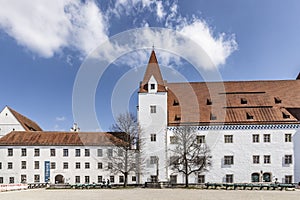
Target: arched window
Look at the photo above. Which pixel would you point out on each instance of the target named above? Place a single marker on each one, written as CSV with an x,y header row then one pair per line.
x,y
267,177
255,177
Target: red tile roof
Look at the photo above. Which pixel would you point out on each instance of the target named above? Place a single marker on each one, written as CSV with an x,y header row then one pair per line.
x,y
153,70
27,123
47,138
227,106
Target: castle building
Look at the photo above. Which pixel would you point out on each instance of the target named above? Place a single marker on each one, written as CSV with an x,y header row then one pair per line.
x,y
251,128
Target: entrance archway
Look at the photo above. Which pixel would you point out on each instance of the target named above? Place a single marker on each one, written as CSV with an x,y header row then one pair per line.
x,y
59,179
267,177
255,177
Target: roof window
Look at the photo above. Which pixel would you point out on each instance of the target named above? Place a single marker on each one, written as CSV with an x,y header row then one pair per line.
x,y
249,116
277,100
285,115
177,118
213,117
244,101
208,102
176,102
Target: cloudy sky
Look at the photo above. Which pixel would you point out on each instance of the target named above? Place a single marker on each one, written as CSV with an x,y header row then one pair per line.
x,y
44,44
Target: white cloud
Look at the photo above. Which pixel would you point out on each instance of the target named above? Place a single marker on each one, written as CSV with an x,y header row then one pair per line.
x,y
46,27
60,118
217,48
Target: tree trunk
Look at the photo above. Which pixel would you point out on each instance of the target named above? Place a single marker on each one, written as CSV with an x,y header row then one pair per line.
x,y
126,179
186,174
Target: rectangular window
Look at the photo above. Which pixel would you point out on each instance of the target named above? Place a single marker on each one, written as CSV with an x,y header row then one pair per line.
x,y
173,140
23,164
267,159
153,160
36,178
52,152
109,152
255,138
77,152
0,165
9,165
256,159
52,165
267,138
133,178
121,179
87,179
288,137
36,164
109,165
87,165
77,165
87,152
174,160
212,116
153,178
288,159
23,152
201,178
152,109
36,152
77,179
66,165
99,179
11,180
99,152
288,179
153,137
65,152
229,178
112,179
23,178
173,179
1,179
228,138
152,86
120,152
228,160
200,139
10,152
100,165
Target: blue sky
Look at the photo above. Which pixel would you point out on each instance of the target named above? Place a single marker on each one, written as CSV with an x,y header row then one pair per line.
x,y
43,46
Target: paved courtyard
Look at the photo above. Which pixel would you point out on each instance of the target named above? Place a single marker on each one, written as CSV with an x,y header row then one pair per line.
x,y
147,194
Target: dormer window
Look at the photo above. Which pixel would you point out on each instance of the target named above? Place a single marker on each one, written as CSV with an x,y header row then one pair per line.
x,y
249,116
285,115
277,100
213,117
208,102
177,118
176,103
152,86
244,101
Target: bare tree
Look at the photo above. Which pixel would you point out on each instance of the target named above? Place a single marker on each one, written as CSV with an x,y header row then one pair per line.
x,y
189,154
126,155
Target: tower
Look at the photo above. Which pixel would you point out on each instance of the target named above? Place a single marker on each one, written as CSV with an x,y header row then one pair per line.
x,y
152,116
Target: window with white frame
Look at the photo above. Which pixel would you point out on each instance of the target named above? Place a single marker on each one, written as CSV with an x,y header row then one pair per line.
x,y
288,159
200,139
228,138
256,159
267,159
152,109
228,160
153,137
267,138
255,138
288,137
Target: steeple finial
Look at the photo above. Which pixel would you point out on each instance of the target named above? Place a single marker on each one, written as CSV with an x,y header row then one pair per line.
x,y
153,47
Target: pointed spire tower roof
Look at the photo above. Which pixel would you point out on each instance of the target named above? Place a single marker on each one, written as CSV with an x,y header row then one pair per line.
x,y
153,70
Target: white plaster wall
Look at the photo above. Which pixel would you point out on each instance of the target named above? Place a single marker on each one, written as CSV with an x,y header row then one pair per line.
x,y
69,174
153,123
8,123
243,149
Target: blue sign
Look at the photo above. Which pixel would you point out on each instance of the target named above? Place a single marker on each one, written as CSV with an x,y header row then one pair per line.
x,y
47,171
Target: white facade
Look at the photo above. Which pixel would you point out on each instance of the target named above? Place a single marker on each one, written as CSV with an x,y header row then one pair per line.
x,y
8,122
61,164
243,149
152,116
